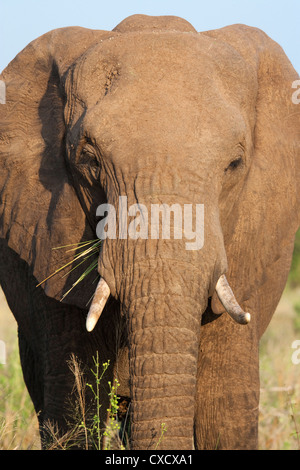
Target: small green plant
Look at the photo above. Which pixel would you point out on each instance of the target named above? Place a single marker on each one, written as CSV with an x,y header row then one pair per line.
x,y
90,426
163,430
113,426
96,426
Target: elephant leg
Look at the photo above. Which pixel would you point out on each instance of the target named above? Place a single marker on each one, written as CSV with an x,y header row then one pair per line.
x,y
33,375
227,397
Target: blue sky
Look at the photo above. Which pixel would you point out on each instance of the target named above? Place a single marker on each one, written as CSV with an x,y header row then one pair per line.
x,y
24,20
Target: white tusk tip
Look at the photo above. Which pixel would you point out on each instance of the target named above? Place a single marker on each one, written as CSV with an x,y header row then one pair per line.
x,y
242,318
229,302
100,298
90,324
247,318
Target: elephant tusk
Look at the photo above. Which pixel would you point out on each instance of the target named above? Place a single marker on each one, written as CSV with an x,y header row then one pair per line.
x,y
229,302
101,295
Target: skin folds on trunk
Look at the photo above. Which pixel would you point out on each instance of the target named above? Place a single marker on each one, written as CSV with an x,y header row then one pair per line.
x,y
163,329
163,366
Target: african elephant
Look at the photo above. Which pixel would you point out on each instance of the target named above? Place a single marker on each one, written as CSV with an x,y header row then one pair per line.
x,y
161,114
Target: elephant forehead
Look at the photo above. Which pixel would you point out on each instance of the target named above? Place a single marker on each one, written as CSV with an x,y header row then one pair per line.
x,y
164,64
166,90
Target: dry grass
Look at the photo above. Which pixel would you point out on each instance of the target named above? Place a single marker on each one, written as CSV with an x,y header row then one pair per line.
x,y
87,431
18,422
280,387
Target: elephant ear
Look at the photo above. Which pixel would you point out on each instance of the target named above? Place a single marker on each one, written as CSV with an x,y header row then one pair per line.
x,y
39,209
259,235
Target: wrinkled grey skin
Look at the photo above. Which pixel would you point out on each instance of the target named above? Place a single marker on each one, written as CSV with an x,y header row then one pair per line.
x,y
162,114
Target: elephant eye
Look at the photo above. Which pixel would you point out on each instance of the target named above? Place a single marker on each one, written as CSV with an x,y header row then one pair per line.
x,y
237,162
87,156
87,161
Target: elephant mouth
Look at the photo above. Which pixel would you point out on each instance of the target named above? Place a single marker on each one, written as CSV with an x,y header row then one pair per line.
x,y
222,288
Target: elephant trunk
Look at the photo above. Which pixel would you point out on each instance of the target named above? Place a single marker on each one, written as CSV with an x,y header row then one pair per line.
x,y
163,327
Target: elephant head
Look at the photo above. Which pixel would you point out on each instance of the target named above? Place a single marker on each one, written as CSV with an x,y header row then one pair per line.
x,y
161,114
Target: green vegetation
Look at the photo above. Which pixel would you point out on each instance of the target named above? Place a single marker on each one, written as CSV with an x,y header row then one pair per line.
x,y
296,321
96,427
294,275
113,427
163,430
18,422
87,432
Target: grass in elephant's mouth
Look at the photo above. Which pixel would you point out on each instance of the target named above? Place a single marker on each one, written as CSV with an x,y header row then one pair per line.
x,y
88,249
